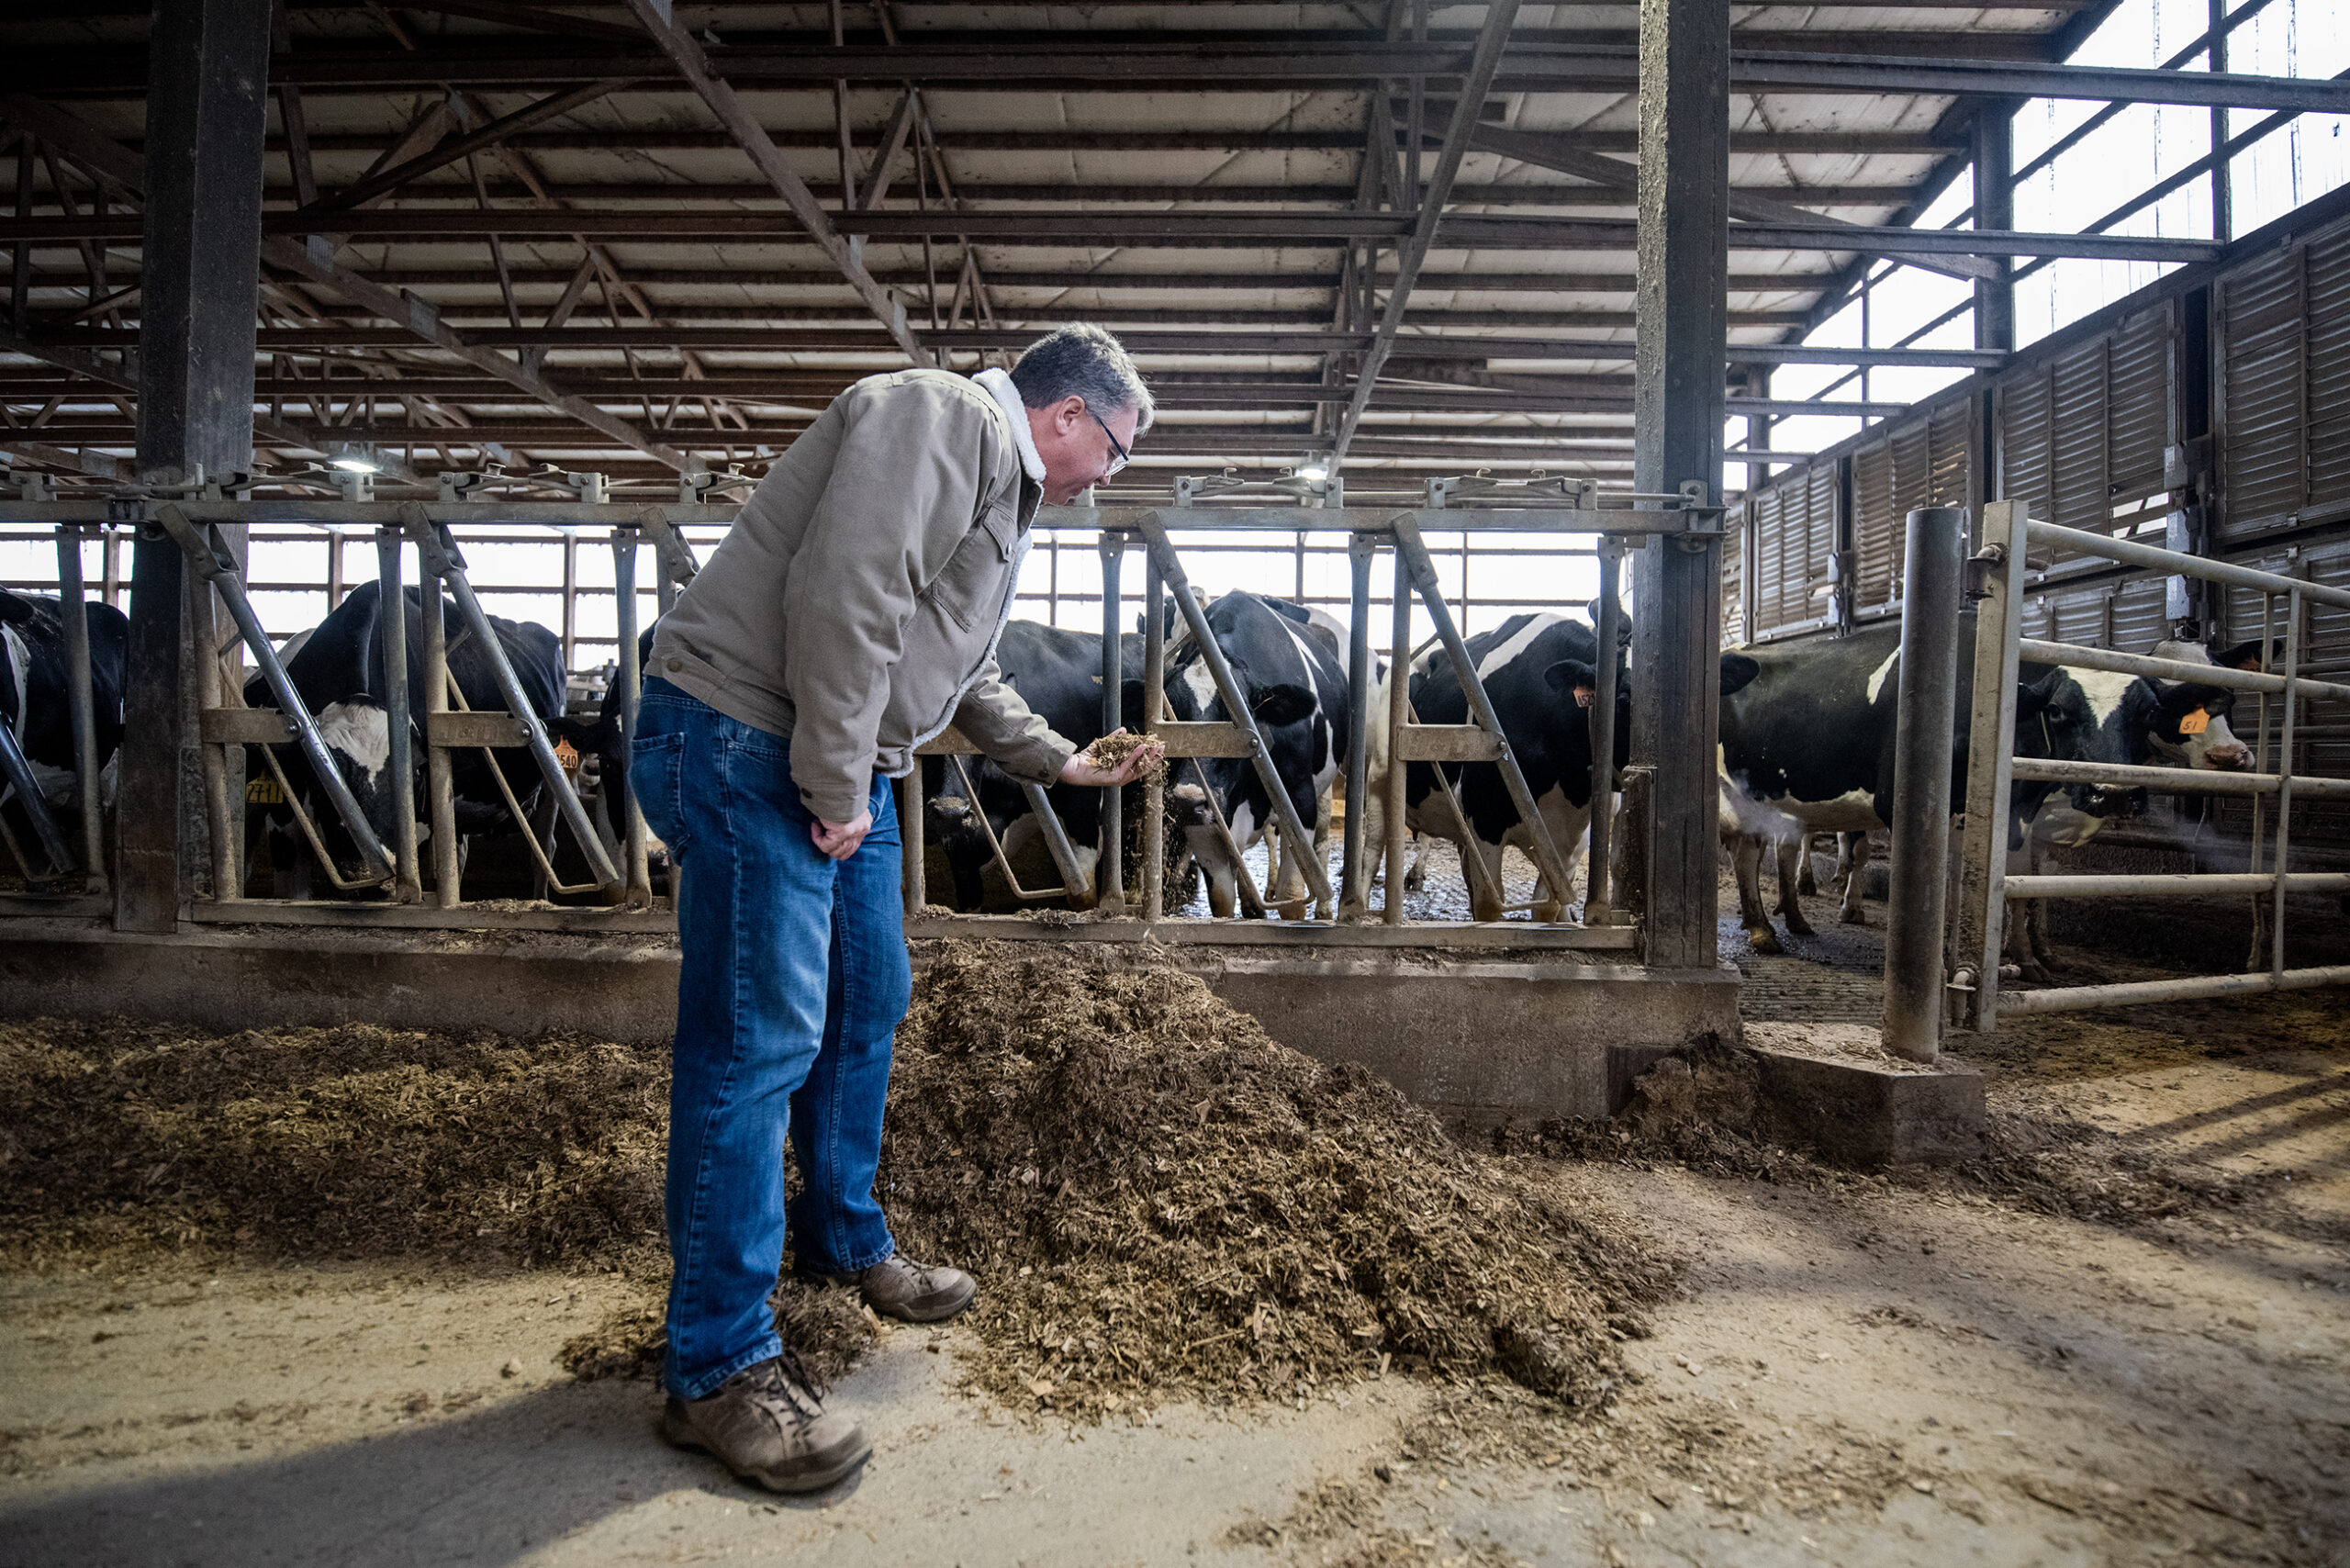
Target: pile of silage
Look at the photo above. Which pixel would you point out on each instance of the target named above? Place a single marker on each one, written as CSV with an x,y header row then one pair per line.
x,y
1158,1197
345,1141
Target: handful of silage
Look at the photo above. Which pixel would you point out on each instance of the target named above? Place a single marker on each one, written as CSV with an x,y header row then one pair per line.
x,y
1111,752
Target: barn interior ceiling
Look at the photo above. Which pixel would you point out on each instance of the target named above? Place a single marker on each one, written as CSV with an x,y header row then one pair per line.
x,y
603,237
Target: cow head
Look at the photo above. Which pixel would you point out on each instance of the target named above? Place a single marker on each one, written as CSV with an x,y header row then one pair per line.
x,y
2186,725
15,609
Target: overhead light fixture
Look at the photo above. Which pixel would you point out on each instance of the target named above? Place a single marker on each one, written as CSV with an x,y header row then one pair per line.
x,y
355,457
1313,471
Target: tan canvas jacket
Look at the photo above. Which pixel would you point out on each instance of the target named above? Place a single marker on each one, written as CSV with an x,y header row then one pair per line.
x,y
856,603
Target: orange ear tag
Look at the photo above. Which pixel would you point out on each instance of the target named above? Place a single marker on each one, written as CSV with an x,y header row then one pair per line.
x,y
2196,721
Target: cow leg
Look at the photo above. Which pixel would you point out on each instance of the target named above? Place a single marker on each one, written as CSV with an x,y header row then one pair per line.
x,y
1322,908
1793,862
1486,903
1415,878
542,821
1746,864
1806,881
1856,847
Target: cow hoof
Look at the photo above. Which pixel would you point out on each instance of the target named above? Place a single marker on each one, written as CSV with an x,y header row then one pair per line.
x,y
1764,941
1855,917
1799,926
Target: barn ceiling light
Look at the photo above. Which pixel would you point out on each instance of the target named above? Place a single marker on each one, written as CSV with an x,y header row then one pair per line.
x,y
1313,471
355,457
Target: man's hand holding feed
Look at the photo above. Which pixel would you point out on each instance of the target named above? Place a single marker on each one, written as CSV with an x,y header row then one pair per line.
x,y
1131,766
840,840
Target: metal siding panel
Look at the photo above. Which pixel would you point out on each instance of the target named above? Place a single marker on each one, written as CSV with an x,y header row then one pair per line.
x,y
2024,439
1877,531
2078,409
2329,370
2261,371
2139,404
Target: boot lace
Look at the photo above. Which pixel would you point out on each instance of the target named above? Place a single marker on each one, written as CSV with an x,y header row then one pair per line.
x,y
780,1386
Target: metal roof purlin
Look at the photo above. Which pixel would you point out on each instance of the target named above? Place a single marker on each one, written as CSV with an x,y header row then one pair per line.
x,y
747,132
1532,148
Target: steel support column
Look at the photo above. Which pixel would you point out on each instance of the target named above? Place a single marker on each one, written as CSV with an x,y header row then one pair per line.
x,y
1995,207
1928,711
207,126
1677,398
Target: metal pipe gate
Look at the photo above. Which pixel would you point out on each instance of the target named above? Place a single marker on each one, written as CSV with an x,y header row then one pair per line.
x,y
1985,888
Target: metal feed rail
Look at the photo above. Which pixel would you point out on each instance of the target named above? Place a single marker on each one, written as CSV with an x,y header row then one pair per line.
x,y
1212,507
2010,535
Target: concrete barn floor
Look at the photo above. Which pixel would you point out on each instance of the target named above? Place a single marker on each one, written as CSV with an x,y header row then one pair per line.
x,y
1861,1373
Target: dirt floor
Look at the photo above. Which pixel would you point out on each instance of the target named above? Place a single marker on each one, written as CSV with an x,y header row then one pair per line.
x,y
2119,1337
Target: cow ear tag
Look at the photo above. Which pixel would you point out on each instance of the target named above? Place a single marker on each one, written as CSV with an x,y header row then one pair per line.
x,y
2196,721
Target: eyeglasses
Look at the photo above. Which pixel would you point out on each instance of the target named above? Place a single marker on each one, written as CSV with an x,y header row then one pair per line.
x,y
1122,456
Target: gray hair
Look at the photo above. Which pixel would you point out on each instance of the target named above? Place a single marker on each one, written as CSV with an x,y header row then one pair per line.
x,y
1085,361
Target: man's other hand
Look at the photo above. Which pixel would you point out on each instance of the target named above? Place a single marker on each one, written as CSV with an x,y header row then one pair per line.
x,y
1132,766
840,840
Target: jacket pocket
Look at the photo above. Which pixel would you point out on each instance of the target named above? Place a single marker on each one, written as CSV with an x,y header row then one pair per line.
x,y
969,588
656,769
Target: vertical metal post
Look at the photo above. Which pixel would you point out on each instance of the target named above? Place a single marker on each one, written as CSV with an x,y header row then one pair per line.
x,y
1154,698
335,568
218,835
1928,711
1361,548
440,789
110,566
1109,874
914,850
1677,390
2285,781
1990,765
1399,715
2223,217
1598,902
206,120
1995,207
84,707
399,722
570,636
628,683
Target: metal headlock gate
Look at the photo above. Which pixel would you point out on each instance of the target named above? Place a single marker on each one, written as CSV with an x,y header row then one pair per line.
x,y
56,852
395,890
2009,539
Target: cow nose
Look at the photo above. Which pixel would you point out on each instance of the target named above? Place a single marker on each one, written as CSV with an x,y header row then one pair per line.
x,y
2231,758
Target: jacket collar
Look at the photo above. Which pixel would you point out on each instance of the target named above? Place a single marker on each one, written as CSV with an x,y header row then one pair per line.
x,y
1007,397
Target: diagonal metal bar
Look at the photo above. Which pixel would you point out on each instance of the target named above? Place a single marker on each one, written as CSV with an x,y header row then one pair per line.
x,y
1152,527
893,141
213,563
18,772
437,551
1499,14
449,153
744,126
1558,153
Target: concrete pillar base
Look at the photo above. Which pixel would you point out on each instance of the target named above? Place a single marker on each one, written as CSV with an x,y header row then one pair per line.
x,y
1832,1087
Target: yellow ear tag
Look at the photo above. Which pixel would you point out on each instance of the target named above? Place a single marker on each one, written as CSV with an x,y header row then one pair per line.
x,y
2196,721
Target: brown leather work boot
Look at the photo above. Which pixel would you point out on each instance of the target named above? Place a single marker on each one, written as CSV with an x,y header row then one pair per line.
x,y
766,1424
910,1292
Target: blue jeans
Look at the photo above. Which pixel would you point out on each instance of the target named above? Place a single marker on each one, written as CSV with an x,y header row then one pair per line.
x,y
795,977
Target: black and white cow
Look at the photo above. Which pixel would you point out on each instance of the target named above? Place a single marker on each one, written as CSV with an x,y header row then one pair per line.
x,y
1058,674
1540,672
36,705
1809,744
1294,681
338,669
